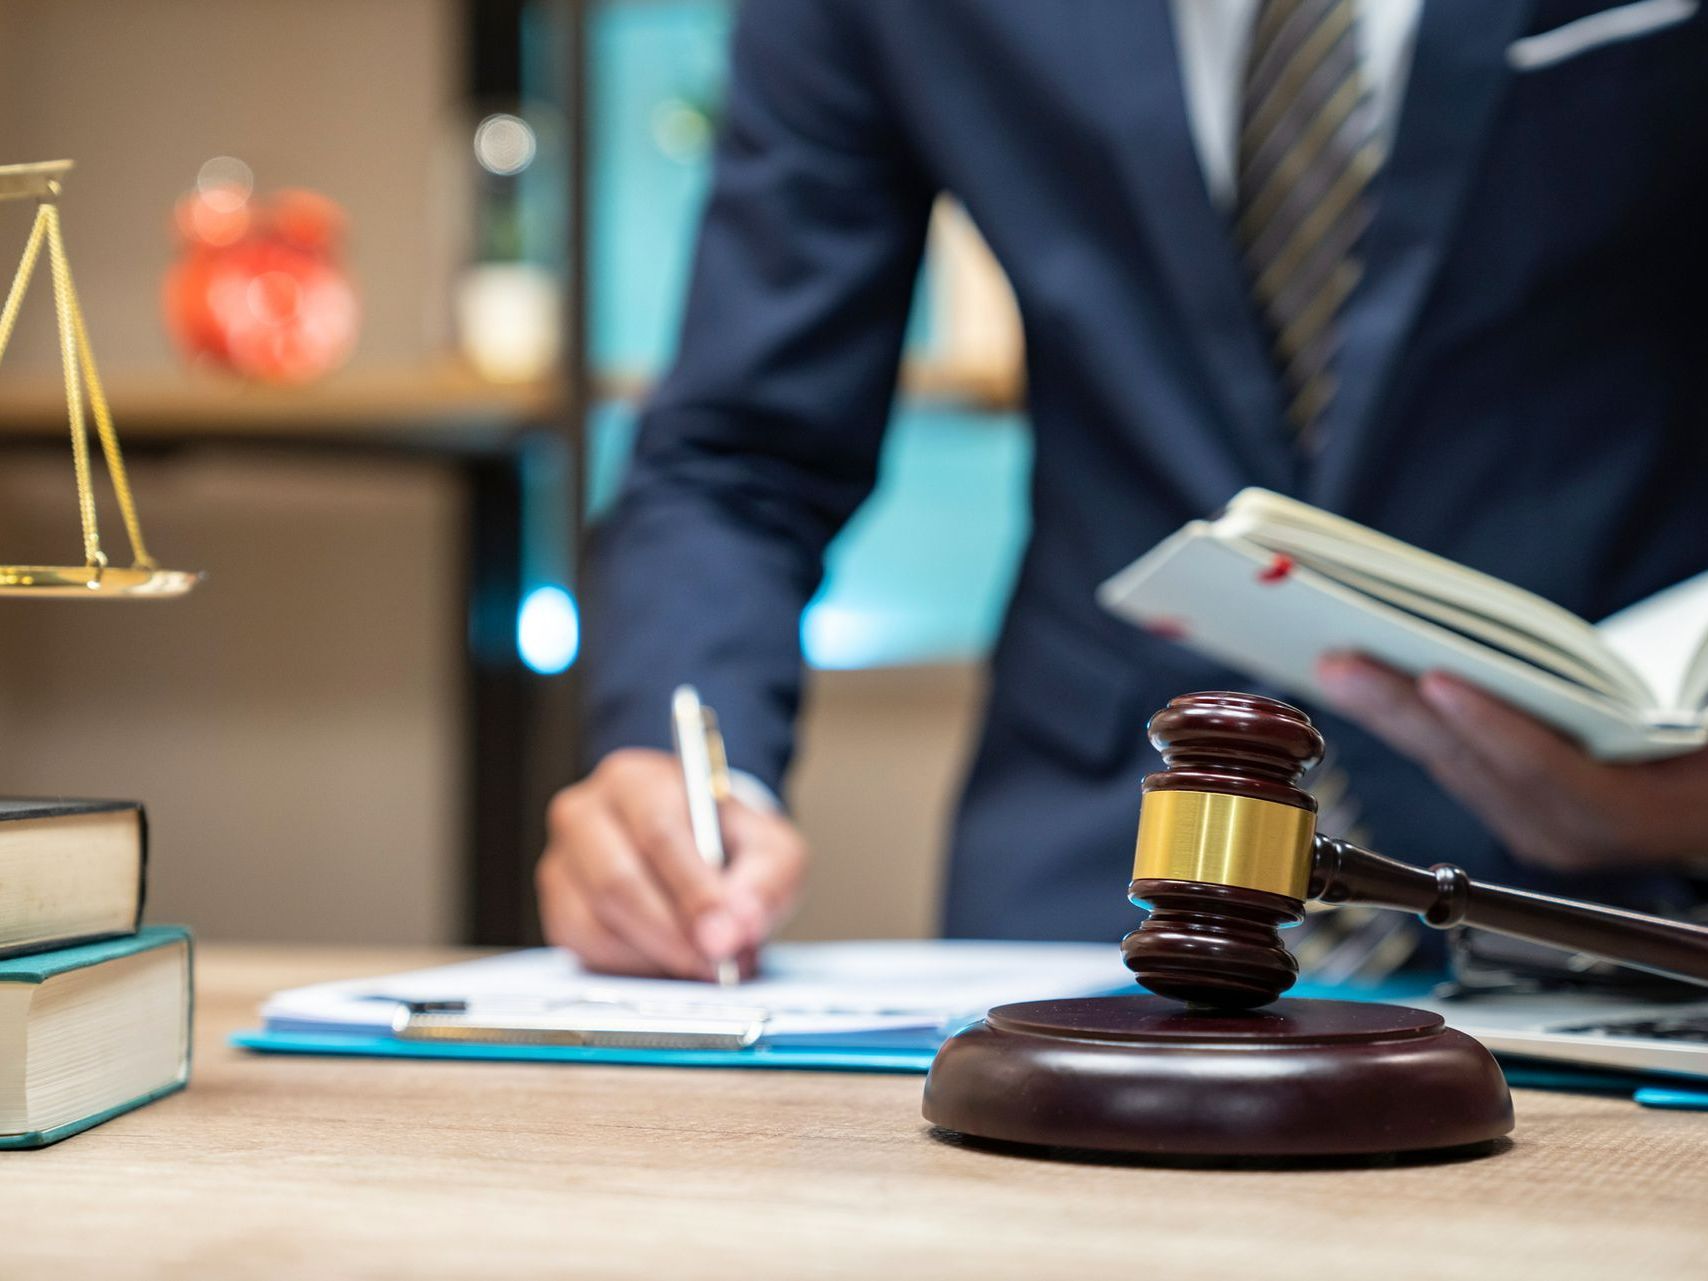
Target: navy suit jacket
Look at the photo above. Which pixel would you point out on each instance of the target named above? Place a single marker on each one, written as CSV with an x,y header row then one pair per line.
x,y
1523,382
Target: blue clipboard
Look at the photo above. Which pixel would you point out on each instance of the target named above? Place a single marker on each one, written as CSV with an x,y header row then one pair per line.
x,y
875,1058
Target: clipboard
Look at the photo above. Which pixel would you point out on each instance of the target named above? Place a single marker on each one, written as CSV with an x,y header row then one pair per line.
x,y
584,1024
884,1057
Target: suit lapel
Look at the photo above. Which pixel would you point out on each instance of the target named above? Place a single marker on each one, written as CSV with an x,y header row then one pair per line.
x,y
1457,79
1193,246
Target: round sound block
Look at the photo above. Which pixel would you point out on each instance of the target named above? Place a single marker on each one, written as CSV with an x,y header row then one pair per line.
x,y
1143,1074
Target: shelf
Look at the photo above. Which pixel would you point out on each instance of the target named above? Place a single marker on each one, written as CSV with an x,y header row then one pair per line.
x,y
386,406
974,388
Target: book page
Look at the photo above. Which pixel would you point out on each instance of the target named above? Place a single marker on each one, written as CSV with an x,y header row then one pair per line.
x,y
1490,631
1480,604
1666,639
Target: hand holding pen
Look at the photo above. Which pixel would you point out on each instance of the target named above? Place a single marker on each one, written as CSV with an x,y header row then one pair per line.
x,y
624,884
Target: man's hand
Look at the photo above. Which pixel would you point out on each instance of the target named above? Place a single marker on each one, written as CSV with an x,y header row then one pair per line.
x,y
1550,803
622,886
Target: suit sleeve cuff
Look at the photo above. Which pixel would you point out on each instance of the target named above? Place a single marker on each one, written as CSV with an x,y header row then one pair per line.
x,y
753,792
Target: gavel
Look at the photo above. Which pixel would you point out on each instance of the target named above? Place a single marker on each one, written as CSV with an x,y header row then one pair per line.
x,y
1228,854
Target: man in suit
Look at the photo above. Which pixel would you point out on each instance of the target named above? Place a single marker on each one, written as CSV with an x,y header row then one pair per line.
x,y
1437,266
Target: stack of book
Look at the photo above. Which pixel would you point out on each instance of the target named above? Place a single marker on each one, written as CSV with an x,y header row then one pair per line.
x,y
94,1009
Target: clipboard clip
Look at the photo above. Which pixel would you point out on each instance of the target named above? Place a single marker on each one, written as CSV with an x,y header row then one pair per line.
x,y
589,1024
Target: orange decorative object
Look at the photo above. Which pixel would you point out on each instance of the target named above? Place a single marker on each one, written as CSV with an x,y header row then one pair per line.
x,y
259,287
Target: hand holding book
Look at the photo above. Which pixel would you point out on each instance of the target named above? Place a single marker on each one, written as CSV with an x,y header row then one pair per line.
x,y
1273,585
1548,799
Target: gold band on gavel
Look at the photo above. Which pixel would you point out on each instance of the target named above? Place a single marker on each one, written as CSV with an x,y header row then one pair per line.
x,y
1225,840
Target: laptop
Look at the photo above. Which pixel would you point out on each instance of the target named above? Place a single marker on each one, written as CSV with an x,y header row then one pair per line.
x,y
1521,999
1524,1000
1585,1030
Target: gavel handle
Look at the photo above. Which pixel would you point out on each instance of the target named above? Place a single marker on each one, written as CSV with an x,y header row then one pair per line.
x,y
1445,895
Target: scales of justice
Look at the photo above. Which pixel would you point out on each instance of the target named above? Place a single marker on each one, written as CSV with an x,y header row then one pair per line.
x,y
94,578
1215,1065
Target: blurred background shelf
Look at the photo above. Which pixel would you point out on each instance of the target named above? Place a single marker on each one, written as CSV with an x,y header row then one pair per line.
x,y
327,758
356,404
972,387
366,402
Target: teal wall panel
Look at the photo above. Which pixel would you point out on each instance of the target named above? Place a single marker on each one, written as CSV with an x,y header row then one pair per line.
x,y
923,571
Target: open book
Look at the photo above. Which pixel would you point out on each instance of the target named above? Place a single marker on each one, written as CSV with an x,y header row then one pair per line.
x,y
1273,584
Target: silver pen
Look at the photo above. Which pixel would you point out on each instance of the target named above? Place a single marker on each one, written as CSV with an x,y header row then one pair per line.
x,y
705,774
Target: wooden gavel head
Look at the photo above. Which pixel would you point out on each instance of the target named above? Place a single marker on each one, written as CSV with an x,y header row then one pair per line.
x,y
1224,850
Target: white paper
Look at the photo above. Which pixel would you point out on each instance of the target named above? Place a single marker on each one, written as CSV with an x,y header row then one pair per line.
x,y
805,988
1664,637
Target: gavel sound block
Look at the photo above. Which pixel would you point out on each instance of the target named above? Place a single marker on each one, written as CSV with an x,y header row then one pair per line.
x,y
1214,1065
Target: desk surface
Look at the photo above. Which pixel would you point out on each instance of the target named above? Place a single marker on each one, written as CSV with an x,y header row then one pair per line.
x,y
366,1168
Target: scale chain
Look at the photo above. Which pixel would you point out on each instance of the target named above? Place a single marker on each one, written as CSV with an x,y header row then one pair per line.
x,y
92,554
103,418
77,360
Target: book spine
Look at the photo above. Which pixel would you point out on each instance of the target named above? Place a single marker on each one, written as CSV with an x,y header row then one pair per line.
x,y
141,867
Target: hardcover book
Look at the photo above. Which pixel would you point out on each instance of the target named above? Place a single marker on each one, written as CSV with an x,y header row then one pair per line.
x,y
90,1032
70,871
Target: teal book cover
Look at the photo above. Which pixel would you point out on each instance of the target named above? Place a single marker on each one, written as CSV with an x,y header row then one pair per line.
x,y
42,966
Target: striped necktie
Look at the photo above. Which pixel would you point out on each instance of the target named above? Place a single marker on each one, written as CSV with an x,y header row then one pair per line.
x,y
1307,152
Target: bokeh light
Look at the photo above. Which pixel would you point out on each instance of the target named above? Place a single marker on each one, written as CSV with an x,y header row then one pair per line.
x,y
548,630
681,130
504,144
225,183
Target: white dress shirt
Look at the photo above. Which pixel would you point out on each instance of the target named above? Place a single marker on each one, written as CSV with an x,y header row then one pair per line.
x,y
1211,38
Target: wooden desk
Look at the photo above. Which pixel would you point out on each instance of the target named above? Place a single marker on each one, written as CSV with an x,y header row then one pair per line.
x,y
366,1168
